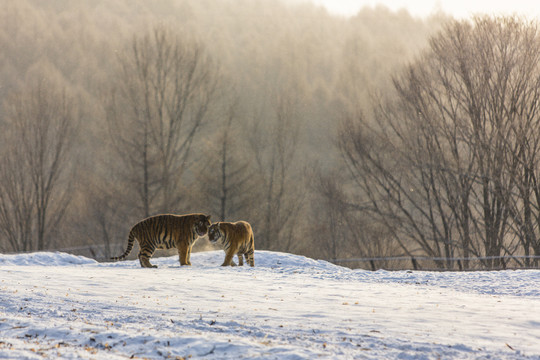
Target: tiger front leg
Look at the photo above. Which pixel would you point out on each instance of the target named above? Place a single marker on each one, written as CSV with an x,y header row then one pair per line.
x,y
240,260
188,258
229,259
183,254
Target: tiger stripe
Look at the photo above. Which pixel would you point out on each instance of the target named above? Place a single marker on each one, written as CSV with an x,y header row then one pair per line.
x,y
166,232
235,239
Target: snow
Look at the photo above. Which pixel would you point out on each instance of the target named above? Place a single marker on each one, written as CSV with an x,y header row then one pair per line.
x,y
57,305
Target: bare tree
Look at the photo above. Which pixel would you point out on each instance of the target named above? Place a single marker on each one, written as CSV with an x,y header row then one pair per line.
x,y
523,144
160,101
42,121
274,146
328,230
491,83
100,224
17,201
226,181
342,229
440,165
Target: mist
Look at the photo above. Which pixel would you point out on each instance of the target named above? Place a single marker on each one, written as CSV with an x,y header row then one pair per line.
x,y
257,139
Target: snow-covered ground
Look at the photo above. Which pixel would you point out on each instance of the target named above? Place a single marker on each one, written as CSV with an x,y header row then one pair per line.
x,y
56,305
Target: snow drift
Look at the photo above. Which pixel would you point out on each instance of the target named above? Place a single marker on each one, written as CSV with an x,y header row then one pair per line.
x,y
57,305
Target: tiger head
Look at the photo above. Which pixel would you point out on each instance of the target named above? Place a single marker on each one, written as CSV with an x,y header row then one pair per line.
x,y
202,224
214,233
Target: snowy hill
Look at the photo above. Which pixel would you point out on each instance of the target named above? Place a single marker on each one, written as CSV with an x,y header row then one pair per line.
x,y
56,305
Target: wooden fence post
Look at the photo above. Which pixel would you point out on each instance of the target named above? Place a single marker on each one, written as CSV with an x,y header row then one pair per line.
x,y
414,263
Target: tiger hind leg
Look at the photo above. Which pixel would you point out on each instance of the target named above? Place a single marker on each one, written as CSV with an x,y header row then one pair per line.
x,y
145,261
240,260
250,259
145,254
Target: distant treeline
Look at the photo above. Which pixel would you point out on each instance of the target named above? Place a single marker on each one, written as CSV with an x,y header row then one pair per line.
x,y
376,135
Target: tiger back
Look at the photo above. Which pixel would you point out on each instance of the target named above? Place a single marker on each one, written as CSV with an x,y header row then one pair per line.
x,y
166,232
236,239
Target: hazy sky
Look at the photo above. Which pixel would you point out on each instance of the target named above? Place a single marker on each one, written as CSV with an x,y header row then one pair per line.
x,y
456,8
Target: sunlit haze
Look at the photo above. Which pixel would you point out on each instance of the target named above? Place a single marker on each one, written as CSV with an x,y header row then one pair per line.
x,y
456,8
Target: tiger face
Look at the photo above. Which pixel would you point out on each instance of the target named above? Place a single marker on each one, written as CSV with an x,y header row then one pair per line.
x,y
201,226
214,233
236,238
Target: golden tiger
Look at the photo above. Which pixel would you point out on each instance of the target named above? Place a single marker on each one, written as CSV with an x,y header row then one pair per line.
x,y
166,232
236,239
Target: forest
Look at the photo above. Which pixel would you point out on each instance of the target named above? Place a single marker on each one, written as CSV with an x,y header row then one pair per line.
x,y
372,136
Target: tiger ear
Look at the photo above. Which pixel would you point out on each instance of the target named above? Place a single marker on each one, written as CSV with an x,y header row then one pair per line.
x,y
208,217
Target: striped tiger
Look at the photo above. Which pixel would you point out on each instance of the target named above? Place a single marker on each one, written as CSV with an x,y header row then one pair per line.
x,y
165,232
236,239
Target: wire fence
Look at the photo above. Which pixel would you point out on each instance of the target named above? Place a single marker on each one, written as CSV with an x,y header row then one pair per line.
x,y
429,263
102,252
